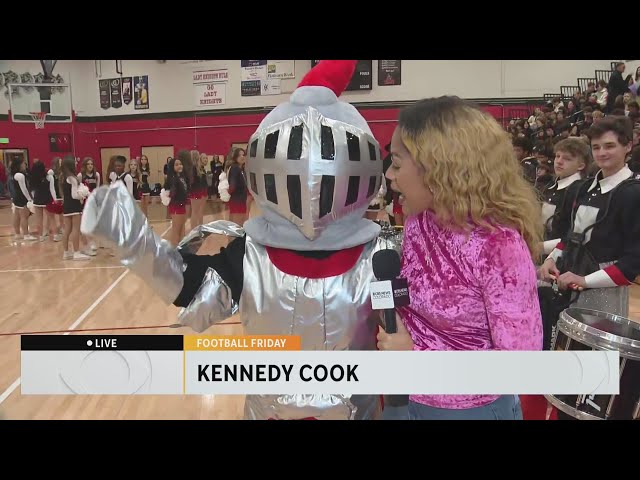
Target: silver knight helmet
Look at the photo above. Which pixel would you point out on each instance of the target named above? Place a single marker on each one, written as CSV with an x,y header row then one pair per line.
x,y
314,160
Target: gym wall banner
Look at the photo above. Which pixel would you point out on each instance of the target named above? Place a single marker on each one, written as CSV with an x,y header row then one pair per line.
x,y
105,94
116,92
389,72
141,92
210,87
127,90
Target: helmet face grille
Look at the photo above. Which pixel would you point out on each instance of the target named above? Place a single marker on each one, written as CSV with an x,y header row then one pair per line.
x,y
326,194
294,152
372,186
352,191
353,144
314,170
295,195
326,140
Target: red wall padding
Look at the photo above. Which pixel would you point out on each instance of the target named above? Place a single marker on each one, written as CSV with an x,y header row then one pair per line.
x,y
88,139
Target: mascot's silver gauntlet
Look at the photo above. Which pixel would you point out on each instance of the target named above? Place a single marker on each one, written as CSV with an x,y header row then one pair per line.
x,y
112,216
196,237
212,302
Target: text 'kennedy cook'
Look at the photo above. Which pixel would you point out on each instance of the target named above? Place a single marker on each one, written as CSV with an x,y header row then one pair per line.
x,y
272,373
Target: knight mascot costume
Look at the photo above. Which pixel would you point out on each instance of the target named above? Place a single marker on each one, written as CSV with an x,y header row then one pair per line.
x,y
302,268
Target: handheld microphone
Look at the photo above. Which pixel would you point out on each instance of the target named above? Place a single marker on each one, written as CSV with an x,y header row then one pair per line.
x,y
386,268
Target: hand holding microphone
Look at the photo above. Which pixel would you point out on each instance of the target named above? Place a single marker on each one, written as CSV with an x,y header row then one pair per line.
x,y
401,340
388,293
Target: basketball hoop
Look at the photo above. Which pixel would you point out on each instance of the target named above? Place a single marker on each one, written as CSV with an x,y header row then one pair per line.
x,y
39,118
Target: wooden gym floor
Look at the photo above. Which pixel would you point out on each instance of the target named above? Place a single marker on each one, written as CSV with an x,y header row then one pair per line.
x,y
39,291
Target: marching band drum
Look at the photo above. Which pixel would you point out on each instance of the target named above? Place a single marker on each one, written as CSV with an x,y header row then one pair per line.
x,y
583,329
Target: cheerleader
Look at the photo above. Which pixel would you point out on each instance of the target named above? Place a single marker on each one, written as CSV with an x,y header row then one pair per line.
x,y
91,178
198,191
21,198
174,196
119,175
136,179
43,193
236,191
55,207
88,174
73,195
188,170
145,172
599,256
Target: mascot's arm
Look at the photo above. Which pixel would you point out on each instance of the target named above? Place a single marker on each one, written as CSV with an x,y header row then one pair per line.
x,y
177,275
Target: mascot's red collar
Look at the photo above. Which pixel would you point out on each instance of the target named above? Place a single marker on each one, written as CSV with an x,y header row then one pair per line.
x,y
293,263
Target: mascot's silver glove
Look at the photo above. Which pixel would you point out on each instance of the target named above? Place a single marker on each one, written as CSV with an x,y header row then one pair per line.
x,y
112,216
212,302
196,237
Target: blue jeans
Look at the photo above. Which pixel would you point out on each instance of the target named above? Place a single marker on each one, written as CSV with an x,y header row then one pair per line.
x,y
506,407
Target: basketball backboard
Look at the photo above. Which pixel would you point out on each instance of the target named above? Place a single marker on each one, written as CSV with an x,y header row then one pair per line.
x,y
28,98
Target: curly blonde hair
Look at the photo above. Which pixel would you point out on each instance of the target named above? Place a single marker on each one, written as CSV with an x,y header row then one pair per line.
x,y
470,168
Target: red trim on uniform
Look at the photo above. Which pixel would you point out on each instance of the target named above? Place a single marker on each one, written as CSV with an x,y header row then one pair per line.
x,y
237,207
55,207
560,246
197,194
177,208
617,276
292,263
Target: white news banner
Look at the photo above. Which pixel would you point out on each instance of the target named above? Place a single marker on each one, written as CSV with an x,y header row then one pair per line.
x,y
278,372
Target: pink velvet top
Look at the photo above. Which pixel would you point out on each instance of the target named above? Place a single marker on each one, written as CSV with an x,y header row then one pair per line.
x,y
468,291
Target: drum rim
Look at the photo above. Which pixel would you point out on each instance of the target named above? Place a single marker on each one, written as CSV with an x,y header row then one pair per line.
x,y
599,338
572,411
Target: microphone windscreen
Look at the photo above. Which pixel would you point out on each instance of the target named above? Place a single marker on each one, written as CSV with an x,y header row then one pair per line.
x,y
386,264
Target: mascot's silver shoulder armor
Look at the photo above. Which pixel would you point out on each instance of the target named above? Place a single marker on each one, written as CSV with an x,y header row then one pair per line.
x,y
304,267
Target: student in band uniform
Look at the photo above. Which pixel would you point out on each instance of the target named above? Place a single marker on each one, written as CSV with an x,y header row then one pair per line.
x,y
600,255
522,149
572,161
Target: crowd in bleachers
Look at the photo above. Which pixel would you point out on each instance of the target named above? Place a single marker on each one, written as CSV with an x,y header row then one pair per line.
x,y
535,136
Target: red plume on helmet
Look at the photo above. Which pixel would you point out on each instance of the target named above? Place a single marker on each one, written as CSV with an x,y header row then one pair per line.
x,y
333,74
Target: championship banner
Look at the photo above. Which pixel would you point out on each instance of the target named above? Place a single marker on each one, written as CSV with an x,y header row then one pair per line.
x,y
255,364
127,90
116,92
141,92
105,94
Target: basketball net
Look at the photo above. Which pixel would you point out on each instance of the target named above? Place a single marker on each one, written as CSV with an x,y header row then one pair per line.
x,y
39,119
